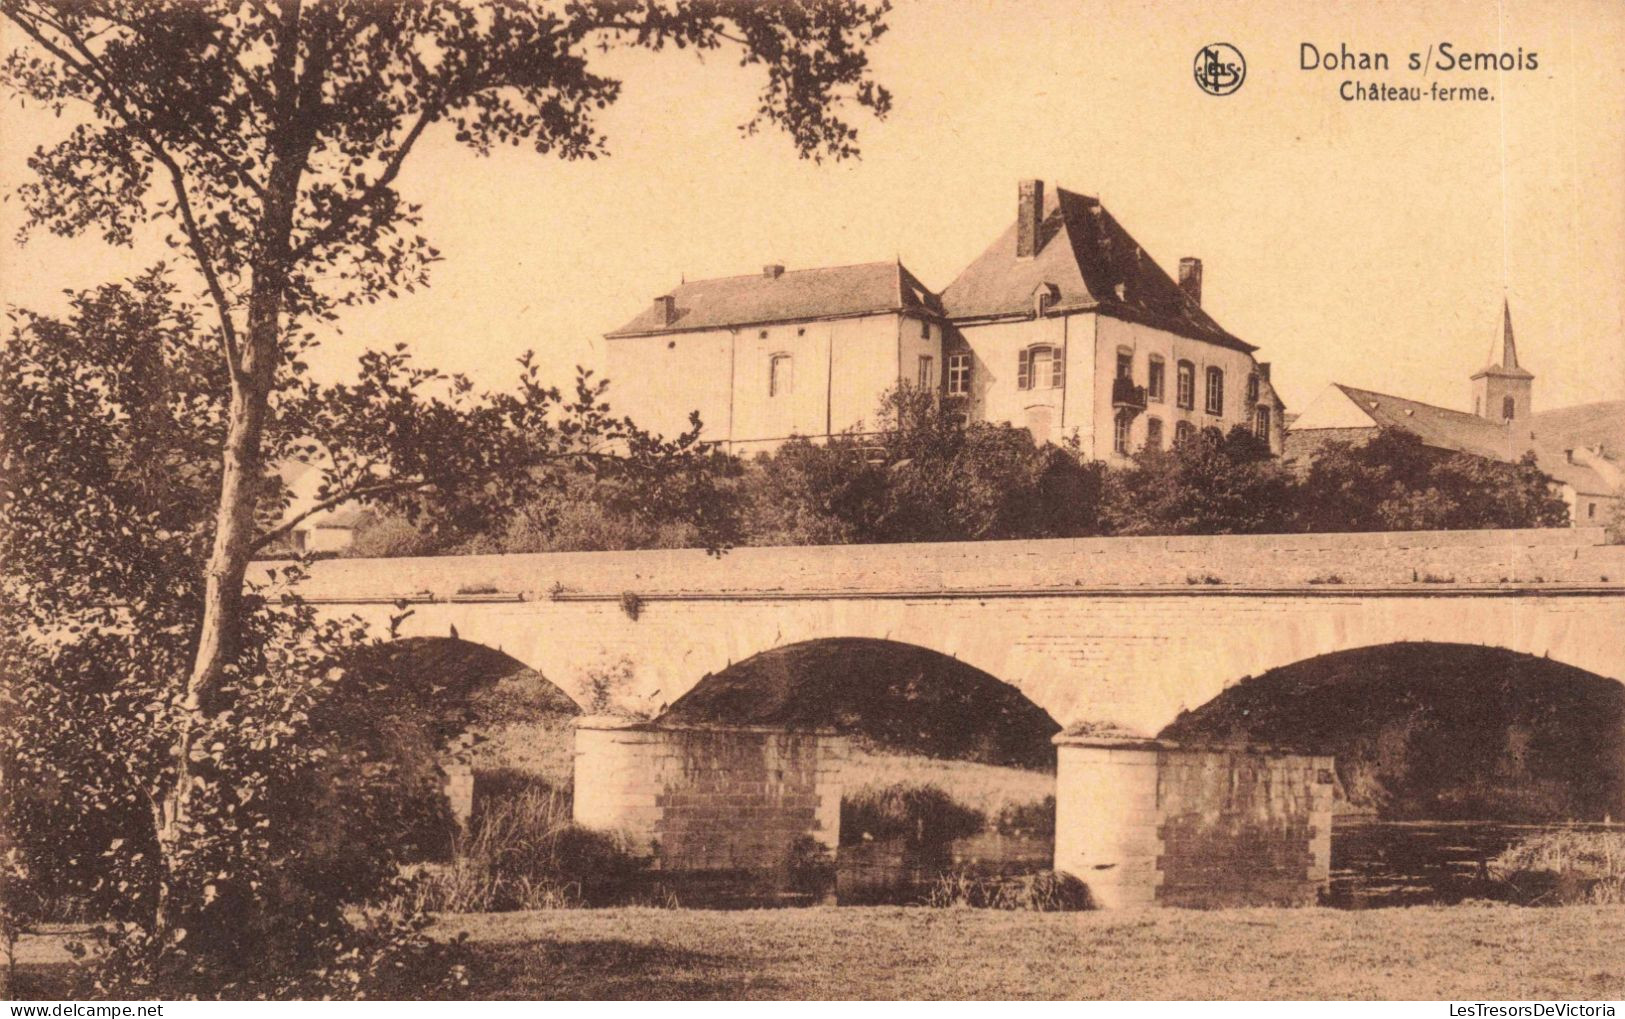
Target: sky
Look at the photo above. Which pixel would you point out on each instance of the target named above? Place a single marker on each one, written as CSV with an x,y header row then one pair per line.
x,y
1364,243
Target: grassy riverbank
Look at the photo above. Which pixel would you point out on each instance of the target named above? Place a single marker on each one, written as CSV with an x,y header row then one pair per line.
x,y
1465,953
1462,953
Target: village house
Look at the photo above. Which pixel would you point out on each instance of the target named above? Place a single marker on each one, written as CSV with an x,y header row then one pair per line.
x,y
1578,447
1064,326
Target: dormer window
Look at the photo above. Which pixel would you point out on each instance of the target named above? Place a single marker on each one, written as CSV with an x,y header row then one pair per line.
x,y
1040,367
1044,296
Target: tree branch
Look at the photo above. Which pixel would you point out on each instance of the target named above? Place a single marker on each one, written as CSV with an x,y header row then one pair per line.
x,y
347,211
288,526
94,75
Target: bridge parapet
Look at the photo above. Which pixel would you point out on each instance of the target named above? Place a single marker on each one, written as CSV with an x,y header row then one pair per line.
x,y
1421,561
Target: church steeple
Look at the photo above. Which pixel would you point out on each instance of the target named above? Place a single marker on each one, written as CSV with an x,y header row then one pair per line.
x,y
1501,389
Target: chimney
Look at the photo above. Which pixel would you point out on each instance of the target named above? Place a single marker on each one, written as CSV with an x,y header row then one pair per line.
x,y
1190,278
1029,217
773,272
1264,370
665,309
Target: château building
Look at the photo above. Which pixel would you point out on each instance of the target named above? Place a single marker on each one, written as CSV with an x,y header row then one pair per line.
x,y
1064,326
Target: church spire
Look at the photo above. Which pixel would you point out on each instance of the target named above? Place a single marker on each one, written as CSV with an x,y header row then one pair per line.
x,y
1509,346
1504,351
1502,388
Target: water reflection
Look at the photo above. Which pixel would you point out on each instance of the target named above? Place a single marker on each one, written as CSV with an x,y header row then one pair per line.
x,y
1412,863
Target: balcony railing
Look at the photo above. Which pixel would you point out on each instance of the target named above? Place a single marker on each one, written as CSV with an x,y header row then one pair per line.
x,y
1126,395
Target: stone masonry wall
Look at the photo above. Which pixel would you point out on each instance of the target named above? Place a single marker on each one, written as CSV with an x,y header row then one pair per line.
x,y
710,799
1521,557
1128,631
1143,822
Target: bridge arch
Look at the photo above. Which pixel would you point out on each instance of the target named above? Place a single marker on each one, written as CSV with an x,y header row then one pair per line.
x,y
1132,658
894,697
1438,730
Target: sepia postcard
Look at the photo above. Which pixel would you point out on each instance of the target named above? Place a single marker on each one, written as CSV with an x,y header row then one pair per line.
x,y
812,500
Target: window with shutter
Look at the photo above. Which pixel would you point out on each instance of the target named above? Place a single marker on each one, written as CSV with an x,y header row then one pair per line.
x,y
1024,369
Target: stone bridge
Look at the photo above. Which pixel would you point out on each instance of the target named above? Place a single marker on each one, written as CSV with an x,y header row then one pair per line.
x,y
1127,631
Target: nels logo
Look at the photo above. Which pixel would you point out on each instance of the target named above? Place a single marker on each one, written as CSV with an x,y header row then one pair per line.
x,y
1220,69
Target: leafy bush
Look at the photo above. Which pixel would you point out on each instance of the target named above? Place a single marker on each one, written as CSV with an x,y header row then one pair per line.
x,y
1212,483
523,851
1394,483
811,868
923,816
1036,818
1044,892
1558,868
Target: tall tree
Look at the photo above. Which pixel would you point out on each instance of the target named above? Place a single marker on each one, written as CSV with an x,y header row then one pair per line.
x,y
1210,483
270,134
1392,482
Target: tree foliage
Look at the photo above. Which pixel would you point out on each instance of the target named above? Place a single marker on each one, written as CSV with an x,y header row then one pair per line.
x,y
266,139
1394,483
1211,483
925,475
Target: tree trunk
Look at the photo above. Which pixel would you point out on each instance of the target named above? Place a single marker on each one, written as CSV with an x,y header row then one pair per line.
x,y
235,531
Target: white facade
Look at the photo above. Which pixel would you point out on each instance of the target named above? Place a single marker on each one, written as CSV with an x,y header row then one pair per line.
x,y
1055,328
756,386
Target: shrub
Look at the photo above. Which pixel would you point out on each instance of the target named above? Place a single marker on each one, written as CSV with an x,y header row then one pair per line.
x,y
1034,818
811,868
523,851
384,537
1044,892
923,816
1564,867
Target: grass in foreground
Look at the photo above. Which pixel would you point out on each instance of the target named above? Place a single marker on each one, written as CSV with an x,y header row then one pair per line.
x,y
1463,953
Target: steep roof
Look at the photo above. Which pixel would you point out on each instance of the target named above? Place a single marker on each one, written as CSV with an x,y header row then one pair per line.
x,y
1584,424
1582,427
1504,354
796,295
1441,427
1084,253
1553,433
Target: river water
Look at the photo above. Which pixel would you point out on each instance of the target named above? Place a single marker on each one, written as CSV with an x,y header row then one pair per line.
x,y
1374,863
1408,863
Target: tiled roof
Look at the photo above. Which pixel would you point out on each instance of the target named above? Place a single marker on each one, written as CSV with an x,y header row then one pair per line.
x,y
1084,254
1549,434
1586,425
796,295
1441,427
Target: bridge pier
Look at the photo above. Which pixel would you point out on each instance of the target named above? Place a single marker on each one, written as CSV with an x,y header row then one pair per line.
x,y
751,808
1148,822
